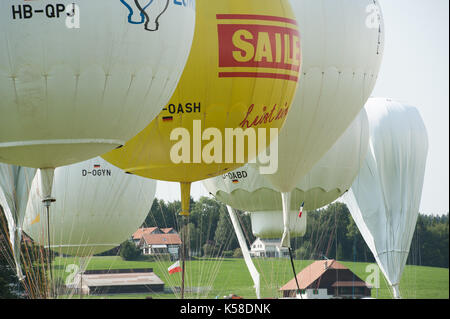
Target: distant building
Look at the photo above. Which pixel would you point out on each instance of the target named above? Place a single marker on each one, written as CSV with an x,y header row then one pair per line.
x,y
268,248
327,279
157,241
96,282
136,237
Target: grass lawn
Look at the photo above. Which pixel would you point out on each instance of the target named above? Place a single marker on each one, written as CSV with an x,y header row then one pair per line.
x,y
210,278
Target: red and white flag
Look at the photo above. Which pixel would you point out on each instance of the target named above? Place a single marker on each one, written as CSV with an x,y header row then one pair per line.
x,y
301,210
175,268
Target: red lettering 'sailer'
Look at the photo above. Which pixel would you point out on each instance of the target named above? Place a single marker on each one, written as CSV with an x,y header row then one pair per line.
x,y
275,49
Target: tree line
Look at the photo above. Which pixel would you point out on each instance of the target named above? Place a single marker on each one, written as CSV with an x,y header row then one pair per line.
x,y
331,233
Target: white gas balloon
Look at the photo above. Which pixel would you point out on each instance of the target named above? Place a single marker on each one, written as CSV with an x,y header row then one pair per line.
x,y
99,206
247,190
78,80
343,44
384,200
15,184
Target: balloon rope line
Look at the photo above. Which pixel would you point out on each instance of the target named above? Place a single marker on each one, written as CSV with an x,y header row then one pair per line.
x,y
29,280
330,241
43,284
295,273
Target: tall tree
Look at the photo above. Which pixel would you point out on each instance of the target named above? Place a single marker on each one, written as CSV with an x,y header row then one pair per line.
x,y
225,236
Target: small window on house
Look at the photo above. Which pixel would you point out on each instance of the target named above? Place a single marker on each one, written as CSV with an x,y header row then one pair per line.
x,y
315,292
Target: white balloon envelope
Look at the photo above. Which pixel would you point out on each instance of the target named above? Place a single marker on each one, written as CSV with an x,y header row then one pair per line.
x,y
248,190
15,184
384,200
79,79
98,207
343,43
342,55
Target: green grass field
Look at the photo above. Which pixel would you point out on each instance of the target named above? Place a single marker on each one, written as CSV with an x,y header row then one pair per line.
x,y
211,278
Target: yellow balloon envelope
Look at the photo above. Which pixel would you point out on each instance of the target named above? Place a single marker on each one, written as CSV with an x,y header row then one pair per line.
x,y
241,77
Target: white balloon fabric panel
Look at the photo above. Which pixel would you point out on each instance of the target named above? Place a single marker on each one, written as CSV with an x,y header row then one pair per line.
x,y
15,185
81,78
385,197
335,172
269,224
343,43
98,206
248,190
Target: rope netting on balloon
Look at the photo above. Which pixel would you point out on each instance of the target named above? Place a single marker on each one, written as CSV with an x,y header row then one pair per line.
x,y
204,256
323,241
65,279
274,267
202,271
32,261
210,270
80,228
92,223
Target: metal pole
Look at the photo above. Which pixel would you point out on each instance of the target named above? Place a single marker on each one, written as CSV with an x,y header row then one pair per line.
x,y
47,202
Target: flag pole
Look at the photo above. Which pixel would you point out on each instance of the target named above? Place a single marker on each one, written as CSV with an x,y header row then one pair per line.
x,y
185,188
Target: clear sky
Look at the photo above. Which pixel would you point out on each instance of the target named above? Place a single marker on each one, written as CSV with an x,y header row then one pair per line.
x,y
415,70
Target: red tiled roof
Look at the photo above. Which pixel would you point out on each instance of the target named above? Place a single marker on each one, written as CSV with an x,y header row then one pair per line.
x,y
311,273
162,239
166,230
141,231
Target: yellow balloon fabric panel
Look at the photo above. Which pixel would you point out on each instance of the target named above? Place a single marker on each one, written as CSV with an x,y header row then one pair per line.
x,y
241,77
